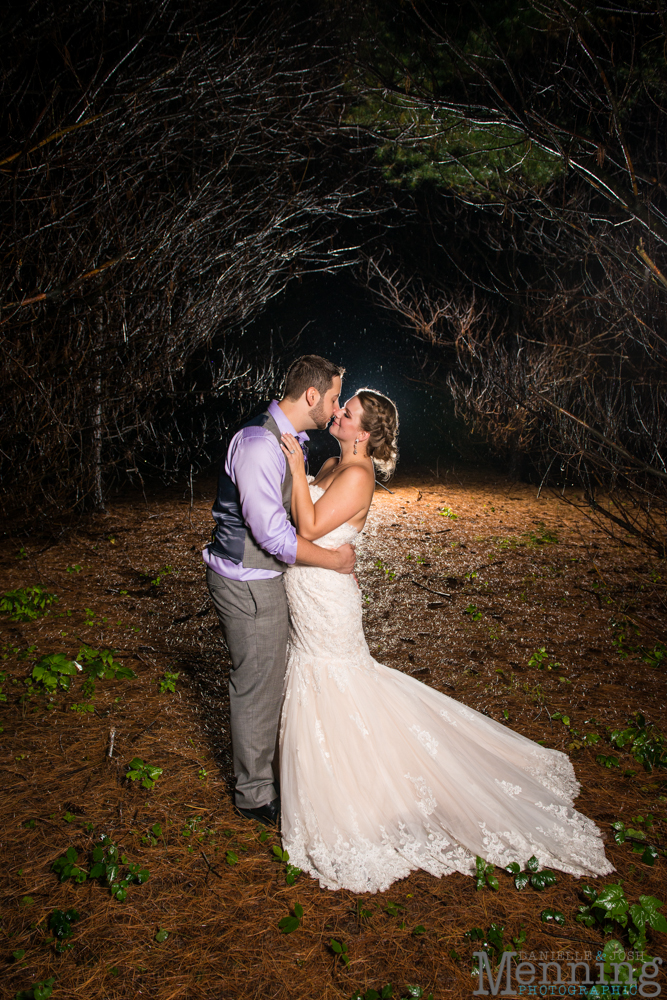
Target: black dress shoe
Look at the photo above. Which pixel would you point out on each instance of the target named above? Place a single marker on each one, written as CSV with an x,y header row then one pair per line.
x,y
268,814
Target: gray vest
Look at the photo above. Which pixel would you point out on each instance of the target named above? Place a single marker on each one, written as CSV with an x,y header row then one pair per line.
x,y
232,539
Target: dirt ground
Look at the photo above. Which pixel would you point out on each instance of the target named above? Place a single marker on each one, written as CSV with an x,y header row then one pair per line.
x,y
462,602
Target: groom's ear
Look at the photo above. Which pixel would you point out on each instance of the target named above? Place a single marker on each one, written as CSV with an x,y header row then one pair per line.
x,y
312,396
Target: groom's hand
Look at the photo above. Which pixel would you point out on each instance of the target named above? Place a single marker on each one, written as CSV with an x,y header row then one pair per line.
x,y
340,560
346,558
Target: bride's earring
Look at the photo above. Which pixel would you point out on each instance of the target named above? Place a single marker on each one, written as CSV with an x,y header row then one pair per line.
x,y
356,442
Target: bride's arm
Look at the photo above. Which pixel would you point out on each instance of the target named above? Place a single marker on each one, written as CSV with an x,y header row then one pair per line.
x,y
302,505
349,494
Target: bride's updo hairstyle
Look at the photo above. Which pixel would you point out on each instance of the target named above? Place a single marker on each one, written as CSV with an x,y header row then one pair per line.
x,y
380,419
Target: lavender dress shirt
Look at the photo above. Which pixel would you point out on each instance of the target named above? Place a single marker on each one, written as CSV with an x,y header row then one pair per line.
x,y
257,466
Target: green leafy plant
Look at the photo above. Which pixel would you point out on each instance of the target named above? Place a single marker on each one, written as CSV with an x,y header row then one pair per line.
x,y
625,634
616,961
60,924
54,671
643,741
531,875
473,612
161,935
156,579
543,536
291,871
99,664
83,708
552,916
583,739
107,862
168,682
147,774
38,991
607,760
558,716
610,911
637,838
66,867
655,656
151,837
520,939
289,924
389,574
484,875
541,660
27,603
193,828
448,512
74,568
492,942
339,948
191,825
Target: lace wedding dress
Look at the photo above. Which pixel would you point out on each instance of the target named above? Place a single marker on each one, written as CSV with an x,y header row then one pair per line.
x,y
381,775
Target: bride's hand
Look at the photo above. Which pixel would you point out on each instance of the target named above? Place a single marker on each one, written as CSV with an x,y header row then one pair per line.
x,y
293,453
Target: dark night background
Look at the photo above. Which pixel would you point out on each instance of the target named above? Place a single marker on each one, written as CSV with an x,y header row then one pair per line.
x,y
463,203
333,316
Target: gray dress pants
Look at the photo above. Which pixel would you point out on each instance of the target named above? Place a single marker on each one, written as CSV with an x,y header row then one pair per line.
x,y
255,622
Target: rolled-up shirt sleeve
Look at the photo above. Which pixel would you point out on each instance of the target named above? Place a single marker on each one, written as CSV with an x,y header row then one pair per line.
x,y
257,467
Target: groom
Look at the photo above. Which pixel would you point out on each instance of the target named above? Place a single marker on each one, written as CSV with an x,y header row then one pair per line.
x,y
253,542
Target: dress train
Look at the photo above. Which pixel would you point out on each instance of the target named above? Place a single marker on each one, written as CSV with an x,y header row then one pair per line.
x,y
382,775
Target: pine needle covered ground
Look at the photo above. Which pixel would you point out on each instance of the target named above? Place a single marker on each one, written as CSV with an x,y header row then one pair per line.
x,y
517,606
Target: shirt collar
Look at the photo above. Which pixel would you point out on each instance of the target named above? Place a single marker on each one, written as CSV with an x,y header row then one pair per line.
x,y
285,425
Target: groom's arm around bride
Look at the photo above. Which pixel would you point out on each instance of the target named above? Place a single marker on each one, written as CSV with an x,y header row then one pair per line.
x,y
253,542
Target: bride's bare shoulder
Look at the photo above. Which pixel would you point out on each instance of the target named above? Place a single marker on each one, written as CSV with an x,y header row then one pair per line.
x,y
328,466
355,477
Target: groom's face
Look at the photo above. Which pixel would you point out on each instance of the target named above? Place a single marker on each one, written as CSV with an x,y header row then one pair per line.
x,y
324,410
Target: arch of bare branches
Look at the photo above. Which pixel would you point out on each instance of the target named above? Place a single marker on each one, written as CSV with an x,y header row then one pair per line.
x,y
162,176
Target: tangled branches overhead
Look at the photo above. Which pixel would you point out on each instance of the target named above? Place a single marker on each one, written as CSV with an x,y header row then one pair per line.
x,y
163,174
533,144
585,401
166,170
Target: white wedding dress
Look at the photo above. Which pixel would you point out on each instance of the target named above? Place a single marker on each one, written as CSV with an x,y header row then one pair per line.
x,y
381,775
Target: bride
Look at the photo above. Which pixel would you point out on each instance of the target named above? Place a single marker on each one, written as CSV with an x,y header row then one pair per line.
x,y
380,774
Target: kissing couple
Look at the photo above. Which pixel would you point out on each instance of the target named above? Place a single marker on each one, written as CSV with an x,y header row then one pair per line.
x,y
379,774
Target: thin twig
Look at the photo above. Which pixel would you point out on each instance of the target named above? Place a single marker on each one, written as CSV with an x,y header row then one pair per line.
x,y
438,593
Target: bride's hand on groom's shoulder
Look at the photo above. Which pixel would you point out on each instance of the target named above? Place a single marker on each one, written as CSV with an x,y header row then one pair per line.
x,y
293,453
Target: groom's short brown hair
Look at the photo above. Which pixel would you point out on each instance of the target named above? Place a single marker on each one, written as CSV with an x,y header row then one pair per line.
x,y
310,369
